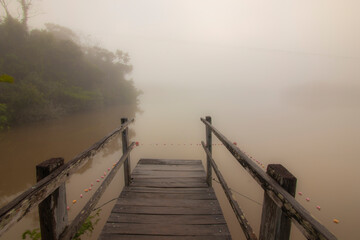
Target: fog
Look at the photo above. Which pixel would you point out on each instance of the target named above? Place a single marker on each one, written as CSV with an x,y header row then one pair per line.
x,y
279,77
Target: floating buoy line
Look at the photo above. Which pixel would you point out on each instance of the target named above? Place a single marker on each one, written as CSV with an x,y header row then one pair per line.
x,y
137,144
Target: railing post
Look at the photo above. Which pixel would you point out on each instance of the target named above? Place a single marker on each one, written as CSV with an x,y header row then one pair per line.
x,y
274,223
125,142
209,147
52,210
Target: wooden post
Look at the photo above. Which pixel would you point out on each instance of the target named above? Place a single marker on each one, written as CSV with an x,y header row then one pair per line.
x,y
52,210
274,223
125,142
209,147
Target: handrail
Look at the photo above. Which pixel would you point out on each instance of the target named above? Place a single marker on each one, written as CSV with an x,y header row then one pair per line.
x,y
310,227
247,229
71,230
15,210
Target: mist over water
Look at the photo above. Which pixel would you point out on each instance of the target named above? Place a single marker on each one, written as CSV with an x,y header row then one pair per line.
x,y
310,126
279,78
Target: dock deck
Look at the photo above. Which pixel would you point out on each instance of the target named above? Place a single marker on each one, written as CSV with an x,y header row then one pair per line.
x,y
167,199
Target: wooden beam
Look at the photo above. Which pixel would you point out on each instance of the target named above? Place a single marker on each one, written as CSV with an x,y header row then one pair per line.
x,y
275,225
209,148
71,230
247,229
311,228
125,142
52,210
30,199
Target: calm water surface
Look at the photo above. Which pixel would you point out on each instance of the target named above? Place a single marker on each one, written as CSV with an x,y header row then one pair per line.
x,y
317,139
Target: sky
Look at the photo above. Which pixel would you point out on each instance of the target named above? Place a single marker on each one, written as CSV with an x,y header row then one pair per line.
x,y
193,37
328,27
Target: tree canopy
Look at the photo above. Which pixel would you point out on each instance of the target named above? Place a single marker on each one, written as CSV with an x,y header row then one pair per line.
x,y
53,74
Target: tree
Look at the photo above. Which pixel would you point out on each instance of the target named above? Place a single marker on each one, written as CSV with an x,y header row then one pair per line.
x,y
4,4
56,75
25,8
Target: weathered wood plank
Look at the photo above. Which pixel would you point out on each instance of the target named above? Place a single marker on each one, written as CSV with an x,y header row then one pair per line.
x,y
167,210
165,219
168,174
158,237
158,167
311,228
169,190
30,199
166,202
158,195
125,143
169,184
209,148
168,179
166,229
169,162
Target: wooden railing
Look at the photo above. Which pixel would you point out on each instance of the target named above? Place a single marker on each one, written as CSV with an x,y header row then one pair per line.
x,y
279,206
49,192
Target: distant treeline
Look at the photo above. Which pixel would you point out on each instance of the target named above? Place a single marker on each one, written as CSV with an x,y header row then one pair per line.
x,y
55,75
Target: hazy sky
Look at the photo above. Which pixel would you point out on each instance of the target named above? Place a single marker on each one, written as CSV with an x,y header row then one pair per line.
x,y
330,27
238,44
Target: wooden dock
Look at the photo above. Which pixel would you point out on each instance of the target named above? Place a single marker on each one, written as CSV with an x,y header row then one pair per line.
x,y
167,199
164,199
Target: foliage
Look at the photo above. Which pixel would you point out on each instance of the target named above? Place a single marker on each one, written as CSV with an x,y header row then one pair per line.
x,y
35,234
4,122
3,117
87,227
55,75
6,78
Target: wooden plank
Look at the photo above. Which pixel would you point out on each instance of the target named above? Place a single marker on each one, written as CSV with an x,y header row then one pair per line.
x,y
132,195
168,174
209,148
166,229
169,162
158,237
167,210
311,228
15,210
169,184
169,180
158,167
165,219
166,202
125,143
169,190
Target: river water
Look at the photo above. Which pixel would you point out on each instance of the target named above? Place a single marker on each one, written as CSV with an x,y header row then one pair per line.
x,y
316,139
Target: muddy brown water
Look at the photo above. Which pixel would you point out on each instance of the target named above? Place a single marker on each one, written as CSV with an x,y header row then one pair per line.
x,y
318,147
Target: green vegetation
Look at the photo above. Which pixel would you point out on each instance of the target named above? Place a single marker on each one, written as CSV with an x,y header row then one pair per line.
x,y
52,74
88,225
34,234
86,228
